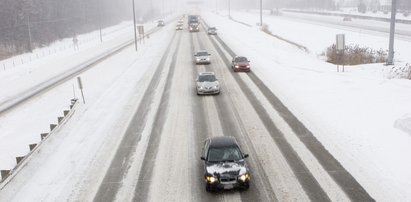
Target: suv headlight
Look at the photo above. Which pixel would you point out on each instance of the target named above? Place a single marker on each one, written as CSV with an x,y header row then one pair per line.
x,y
244,177
211,179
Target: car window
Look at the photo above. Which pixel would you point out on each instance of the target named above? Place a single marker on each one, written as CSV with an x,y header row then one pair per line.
x,y
202,53
206,78
241,59
224,154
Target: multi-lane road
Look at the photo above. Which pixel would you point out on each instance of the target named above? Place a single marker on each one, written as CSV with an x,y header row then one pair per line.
x,y
287,162
157,153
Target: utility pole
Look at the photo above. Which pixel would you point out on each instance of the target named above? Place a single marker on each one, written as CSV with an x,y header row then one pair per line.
x,y
390,59
99,13
134,25
229,9
29,30
261,13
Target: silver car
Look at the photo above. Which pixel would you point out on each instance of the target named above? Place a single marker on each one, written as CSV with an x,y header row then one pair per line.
x,y
212,31
207,83
202,57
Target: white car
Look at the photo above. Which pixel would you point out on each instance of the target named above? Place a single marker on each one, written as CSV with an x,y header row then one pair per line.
x,y
179,27
202,57
207,84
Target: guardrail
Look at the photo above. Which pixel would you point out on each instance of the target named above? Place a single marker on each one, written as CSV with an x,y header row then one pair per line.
x,y
350,15
21,160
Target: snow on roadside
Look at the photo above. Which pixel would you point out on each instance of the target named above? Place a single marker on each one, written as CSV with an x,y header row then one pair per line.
x,y
45,110
353,113
72,163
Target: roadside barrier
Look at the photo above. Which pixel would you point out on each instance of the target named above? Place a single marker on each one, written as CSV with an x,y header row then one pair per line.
x,y
21,160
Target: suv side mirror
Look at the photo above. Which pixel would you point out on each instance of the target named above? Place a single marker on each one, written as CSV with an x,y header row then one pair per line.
x,y
245,155
202,158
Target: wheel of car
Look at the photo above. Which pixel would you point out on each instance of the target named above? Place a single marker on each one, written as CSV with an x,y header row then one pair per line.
x,y
246,186
208,188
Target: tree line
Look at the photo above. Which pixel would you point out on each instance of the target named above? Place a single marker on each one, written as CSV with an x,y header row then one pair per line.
x,y
28,24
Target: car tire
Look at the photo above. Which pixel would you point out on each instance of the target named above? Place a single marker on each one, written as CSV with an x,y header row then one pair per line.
x,y
246,186
208,188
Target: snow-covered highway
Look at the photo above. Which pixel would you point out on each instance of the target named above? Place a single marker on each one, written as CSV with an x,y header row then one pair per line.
x,y
140,133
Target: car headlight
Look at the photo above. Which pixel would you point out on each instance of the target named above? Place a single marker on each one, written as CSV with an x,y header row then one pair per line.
x,y
248,66
244,177
211,179
200,87
236,66
216,87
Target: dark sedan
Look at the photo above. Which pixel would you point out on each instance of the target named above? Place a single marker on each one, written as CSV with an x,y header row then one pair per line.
x,y
224,164
240,63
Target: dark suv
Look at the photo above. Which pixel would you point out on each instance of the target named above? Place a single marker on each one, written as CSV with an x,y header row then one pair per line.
x,y
224,164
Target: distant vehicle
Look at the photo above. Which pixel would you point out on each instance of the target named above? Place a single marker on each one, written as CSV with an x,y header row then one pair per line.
x,y
347,18
240,63
207,83
193,19
202,57
194,27
224,164
160,23
179,27
181,21
212,31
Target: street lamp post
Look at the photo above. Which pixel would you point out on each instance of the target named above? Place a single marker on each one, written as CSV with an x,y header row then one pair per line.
x,y
29,31
99,13
390,59
229,9
261,12
134,25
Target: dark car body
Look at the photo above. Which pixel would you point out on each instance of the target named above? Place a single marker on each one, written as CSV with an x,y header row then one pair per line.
x,y
160,23
240,63
224,164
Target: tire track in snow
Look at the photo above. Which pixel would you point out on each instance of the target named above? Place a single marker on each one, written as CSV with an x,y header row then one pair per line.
x,y
121,161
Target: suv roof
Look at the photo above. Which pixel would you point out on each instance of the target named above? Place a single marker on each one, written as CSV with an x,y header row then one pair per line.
x,y
222,141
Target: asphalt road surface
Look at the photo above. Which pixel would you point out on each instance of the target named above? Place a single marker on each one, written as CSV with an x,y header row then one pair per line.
x,y
158,158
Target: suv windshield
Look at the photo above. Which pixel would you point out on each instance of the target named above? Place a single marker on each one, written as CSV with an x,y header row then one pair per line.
x,y
224,154
206,78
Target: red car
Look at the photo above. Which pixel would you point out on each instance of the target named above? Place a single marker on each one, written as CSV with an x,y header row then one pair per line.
x,y
240,63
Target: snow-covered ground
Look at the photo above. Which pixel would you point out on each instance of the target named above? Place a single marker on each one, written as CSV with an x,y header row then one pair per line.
x,y
354,114
30,74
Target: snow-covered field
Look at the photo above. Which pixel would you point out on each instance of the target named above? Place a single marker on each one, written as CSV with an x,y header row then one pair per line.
x,y
354,114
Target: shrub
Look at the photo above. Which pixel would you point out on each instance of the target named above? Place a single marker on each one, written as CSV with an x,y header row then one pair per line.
x,y
354,55
399,72
265,28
